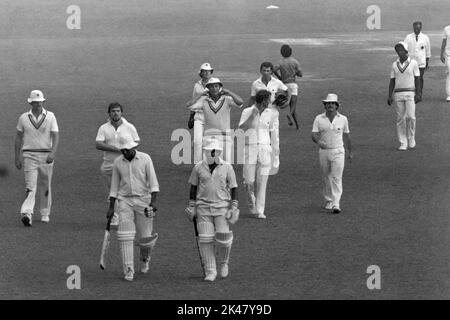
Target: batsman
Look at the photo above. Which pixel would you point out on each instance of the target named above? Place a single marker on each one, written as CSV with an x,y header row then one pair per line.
x,y
213,201
135,186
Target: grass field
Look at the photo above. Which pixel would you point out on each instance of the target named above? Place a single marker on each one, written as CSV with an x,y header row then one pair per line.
x,y
145,54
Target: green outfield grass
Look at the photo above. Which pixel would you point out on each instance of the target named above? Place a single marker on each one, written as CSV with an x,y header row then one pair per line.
x,y
145,55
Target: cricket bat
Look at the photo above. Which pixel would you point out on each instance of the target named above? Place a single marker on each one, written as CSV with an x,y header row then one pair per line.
x,y
196,241
105,245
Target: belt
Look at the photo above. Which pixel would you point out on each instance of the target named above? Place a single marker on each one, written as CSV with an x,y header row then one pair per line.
x,y
405,90
36,150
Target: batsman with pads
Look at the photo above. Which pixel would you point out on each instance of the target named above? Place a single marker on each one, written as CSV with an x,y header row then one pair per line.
x,y
135,186
213,202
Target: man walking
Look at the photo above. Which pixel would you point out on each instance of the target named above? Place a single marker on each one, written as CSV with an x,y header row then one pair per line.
x,y
405,84
331,132
36,143
445,58
134,186
216,105
213,202
107,140
274,86
419,48
258,124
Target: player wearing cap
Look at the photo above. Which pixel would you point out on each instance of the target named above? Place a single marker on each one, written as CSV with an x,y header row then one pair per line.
x,y
445,58
135,186
107,140
196,119
419,48
36,143
405,85
216,104
287,69
258,124
213,201
331,132
273,85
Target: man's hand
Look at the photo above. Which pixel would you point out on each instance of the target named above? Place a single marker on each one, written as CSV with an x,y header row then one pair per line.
x,y
110,212
50,157
443,59
417,98
389,101
322,145
190,211
18,164
349,157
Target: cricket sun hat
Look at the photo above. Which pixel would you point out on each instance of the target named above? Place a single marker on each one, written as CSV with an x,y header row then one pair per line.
x,y
36,96
331,97
205,66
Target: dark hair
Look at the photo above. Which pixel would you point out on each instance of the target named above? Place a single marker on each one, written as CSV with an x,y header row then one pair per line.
x,y
262,95
266,64
417,22
286,50
114,105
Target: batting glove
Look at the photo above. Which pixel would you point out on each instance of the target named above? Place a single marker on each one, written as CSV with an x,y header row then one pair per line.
x,y
233,212
190,211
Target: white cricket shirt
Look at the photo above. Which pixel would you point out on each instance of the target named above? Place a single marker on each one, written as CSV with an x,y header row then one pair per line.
x,y
331,132
404,74
419,49
36,131
272,86
259,127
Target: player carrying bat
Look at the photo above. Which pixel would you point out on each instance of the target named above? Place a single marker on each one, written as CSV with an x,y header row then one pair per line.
x,y
213,201
135,186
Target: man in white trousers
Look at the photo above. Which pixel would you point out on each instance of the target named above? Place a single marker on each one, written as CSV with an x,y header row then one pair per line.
x,y
213,201
258,125
445,58
107,140
135,186
35,148
331,132
216,104
404,86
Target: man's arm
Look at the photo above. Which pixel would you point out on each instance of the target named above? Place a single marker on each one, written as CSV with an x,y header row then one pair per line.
x,y
244,124
444,44
236,98
428,52
391,91
103,146
55,142
348,146
195,99
418,96
152,181
315,136
17,148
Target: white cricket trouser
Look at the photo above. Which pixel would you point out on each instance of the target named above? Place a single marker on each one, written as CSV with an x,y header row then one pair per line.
x,y
406,117
37,171
332,166
227,146
198,138
257,163
447,82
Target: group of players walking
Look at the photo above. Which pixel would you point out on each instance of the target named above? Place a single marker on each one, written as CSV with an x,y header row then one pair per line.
x,y
213,206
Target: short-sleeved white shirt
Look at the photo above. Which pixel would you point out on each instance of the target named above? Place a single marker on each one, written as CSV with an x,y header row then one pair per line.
x,y
272,86
198,88
404,74
419,49
258,129
213,188
331,132
108,134
447,36
36,131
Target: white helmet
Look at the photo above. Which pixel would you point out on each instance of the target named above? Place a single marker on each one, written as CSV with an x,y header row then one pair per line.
x,y
206,66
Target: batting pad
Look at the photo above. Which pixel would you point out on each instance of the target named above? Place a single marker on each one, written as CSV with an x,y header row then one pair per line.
x,y
224,241
205,232
147,245
126,239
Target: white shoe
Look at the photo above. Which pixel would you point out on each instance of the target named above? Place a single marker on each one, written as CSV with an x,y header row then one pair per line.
x,y
403,147
129,275
115,220
223,270
412,144
210,277
328,205
145,265
45,219
261,216
448,99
